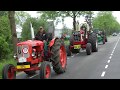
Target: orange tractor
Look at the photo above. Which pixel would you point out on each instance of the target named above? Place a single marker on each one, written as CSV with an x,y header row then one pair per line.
x,y
30,58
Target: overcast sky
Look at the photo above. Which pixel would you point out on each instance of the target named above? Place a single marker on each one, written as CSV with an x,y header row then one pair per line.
x,y
68,21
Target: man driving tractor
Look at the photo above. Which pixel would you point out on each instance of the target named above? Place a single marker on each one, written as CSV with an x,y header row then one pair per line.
x,y
42,36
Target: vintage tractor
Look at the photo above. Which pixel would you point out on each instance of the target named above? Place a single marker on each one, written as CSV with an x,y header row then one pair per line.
x,y
101,36
31,57
83,38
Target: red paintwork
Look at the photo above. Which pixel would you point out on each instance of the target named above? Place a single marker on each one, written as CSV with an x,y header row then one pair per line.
x,y
62,56
52,42
39,48
11,73
47,72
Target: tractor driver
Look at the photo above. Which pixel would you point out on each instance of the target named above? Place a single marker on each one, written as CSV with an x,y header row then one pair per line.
x,y
42,36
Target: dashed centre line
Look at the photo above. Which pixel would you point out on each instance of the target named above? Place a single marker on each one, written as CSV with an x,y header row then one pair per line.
x,y
110,57
108,61
106,66
103,73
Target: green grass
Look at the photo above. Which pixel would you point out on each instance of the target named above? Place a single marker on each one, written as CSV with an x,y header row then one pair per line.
x,y
4,62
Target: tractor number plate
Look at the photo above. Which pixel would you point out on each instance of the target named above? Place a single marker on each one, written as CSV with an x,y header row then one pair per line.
x,y
23,66
76,46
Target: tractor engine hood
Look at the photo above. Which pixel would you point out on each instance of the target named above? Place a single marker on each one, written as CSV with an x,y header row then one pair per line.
x,y
31,43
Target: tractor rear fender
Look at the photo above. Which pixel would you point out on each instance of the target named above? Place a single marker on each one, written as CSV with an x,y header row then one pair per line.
x,y
52,42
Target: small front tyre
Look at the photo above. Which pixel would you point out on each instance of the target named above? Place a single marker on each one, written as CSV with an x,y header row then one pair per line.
x,y
45,70
88,48
9,72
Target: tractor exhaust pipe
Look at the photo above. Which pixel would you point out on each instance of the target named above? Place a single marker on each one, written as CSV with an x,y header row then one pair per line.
x,y
32,31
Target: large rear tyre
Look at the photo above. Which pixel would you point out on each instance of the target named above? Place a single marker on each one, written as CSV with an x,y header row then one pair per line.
x,y
8,72
106,39
88,48
93,40
59,57
45,70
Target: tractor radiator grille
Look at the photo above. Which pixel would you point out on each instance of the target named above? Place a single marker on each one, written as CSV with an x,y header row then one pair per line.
x,y
20,51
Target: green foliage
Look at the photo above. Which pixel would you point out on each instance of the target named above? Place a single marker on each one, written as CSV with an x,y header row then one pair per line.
x,y
20,17
106,21
5,37
36,23
4,48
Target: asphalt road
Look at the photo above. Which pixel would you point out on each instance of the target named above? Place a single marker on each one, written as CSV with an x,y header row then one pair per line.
x,y
103,64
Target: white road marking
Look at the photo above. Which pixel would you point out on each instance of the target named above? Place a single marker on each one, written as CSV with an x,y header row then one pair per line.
x,y
108,61
111,54
33,75
77,53
68,58
72,56
103,73
110,57
106,66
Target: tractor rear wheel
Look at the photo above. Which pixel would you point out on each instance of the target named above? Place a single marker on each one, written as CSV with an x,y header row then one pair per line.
x,y
105,39
45,70
93,40
59,57
88,48
8,72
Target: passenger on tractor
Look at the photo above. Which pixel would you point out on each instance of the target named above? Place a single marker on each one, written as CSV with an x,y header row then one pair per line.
x,y
83,30
42,36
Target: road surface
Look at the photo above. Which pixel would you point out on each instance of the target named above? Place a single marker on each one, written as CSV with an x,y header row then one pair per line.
x,y
104,64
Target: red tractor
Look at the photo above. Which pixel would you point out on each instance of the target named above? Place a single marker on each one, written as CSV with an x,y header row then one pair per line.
x,y
30,58
83,38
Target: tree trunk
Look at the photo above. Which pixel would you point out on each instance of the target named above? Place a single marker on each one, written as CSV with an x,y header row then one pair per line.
x,y
74,22
11,15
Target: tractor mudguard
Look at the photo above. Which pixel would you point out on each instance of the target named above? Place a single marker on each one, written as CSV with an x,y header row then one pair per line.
x,y
52,42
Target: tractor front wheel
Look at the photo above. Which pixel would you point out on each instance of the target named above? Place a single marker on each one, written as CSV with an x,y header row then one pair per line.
x,y
45,70
88,48
9,72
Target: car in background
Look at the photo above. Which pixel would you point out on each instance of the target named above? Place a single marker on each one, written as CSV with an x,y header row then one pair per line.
x,y
114,34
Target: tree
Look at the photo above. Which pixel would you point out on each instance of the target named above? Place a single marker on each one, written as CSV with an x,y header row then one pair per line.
x,y
20,17
11,15
73,14
36,23
5,37
106,21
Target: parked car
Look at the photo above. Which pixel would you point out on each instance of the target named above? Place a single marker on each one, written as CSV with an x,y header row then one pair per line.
x,y
114,34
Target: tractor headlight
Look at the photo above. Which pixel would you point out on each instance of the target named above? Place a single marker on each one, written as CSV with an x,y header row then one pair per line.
x,y
25,50
34,53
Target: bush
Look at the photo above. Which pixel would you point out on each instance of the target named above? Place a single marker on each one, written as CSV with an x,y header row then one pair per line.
x,y
4,48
